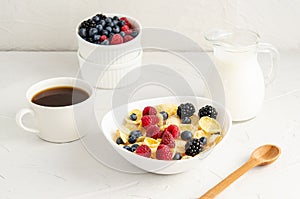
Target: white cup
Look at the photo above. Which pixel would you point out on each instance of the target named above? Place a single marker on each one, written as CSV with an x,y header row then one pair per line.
x,y
58,124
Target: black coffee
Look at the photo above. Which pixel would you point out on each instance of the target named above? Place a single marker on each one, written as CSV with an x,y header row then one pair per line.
x,y
60,96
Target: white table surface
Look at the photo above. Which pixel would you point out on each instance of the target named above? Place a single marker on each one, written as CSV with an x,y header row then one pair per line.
x,y
32,168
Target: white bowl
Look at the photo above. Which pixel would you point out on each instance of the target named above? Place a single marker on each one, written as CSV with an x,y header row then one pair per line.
x,y
113,119
109,76
105,54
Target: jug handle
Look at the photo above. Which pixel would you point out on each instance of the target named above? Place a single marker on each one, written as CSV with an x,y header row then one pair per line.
x,y
270,49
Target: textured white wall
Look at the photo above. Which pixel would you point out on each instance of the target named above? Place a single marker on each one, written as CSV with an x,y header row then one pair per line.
x,y
50,24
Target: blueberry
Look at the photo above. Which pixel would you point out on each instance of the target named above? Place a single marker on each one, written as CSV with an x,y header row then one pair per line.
x,y
111,35
133,117
92,25
92,32
132,139
186,135
108,20
186,120
111,24
127,148
108,28
105,42
122,33
96,18
177,156
89,21
96,38
136,133
115,22
82,32
104,32
84,25
101,16
116,29
134,33
119,141
121,23
164,114
203,140
133,147
102,23
99,27
91,40
116,18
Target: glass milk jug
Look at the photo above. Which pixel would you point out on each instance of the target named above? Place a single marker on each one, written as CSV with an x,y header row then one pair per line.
x,y
235,56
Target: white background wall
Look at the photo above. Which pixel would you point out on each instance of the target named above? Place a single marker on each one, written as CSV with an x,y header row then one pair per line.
x,y
50,24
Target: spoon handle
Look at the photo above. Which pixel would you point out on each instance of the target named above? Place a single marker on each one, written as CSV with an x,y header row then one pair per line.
x,y
213,192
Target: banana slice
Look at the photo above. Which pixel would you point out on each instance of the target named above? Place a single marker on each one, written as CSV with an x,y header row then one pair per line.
x,y
186,127
124,136
152,143
171,109
185,157
161,119
180,146
173,120
138,114
198,134
209,125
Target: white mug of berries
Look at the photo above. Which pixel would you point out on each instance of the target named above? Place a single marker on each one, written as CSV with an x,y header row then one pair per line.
x,y
107,38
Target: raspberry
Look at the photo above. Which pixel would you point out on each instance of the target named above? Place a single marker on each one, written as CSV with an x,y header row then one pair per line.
x,y
152,130
116,39
167,139
103,37
149,110
149,119
143,150
126,21
174,130
124,28
157,135
128,32
127,38
163,152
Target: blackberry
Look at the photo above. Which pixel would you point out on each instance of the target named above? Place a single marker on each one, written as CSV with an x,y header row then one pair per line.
x,y
208,111
193,147
185,110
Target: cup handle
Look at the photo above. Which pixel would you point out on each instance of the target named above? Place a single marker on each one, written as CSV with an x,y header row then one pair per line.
x,y
270,49
19,119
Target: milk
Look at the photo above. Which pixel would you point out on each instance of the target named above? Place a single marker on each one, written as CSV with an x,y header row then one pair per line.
x,y
242,79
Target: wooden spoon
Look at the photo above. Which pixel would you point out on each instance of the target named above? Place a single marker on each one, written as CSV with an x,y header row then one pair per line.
x,y
261,156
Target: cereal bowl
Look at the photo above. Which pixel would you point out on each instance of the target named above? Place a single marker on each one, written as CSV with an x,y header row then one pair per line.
x,y
113,120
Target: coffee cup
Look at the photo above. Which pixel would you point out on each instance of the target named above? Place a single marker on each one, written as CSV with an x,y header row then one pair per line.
x,y
59,106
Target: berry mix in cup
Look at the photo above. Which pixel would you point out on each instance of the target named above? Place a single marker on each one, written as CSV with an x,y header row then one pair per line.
x,y
169,132
104,30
